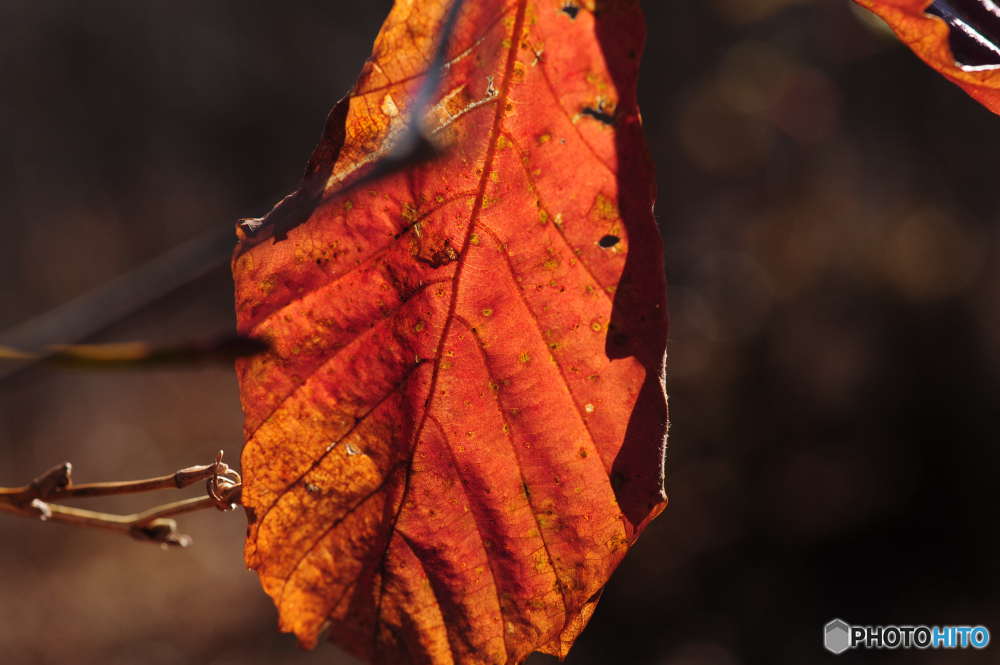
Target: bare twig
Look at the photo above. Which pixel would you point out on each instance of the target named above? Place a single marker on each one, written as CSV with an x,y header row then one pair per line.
x,y
137,355
35,501
127,293
413,145
27,343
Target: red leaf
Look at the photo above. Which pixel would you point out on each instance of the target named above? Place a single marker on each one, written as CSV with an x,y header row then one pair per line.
x,y
459,429
928,35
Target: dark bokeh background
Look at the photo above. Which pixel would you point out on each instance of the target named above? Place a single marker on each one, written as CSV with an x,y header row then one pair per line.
x,y
830,212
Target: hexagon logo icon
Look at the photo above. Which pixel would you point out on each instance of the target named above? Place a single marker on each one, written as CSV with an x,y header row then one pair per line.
x,y
836,636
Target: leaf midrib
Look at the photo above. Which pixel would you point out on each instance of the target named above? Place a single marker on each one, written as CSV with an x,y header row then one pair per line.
x,y
501,102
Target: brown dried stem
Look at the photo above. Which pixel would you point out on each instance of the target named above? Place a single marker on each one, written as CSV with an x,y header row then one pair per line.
x,y
35,501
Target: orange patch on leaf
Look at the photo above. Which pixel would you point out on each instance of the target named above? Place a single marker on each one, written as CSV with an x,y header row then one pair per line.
x,y
431,468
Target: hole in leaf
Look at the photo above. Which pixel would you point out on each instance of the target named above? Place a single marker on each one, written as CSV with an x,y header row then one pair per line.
x,y
570,10
608,241
974,31
599,114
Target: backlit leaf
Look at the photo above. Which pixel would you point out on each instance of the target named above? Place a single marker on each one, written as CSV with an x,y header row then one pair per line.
x,y
459,428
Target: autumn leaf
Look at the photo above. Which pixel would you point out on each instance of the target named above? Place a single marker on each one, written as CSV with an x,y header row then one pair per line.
x,y
459,428
958,38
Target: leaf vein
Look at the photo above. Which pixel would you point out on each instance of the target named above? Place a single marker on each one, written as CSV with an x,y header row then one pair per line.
x,y
475,521
424,570
326,532
510,439
534,320
552,90
534,188
476,209
369,261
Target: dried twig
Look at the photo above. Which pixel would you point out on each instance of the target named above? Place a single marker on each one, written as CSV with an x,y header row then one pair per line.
x,y
413,145
118,298
137,355
35,501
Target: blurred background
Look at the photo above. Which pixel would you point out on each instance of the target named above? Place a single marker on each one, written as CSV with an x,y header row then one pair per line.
x,y
830,210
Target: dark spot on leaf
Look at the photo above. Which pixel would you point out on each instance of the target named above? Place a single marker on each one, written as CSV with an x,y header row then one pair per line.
x,y
570,10
608,241
974,32
600,115
441,257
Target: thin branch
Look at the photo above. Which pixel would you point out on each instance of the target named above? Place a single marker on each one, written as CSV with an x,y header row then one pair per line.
x,y
34,501
120,297
413,146
26,343
137,355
